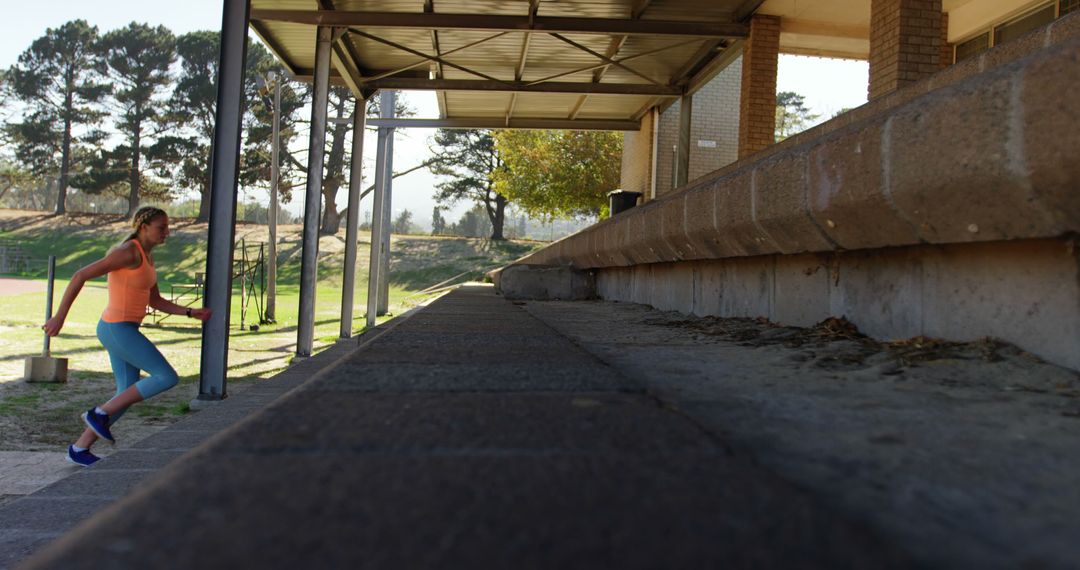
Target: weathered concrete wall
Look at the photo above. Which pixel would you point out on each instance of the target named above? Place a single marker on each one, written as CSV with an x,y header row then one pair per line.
x,y
1023,292
948,208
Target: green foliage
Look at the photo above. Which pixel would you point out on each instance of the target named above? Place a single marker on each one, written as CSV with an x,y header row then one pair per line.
x,y
58,80
438,223
792,114
403,223
469,160
559,174
139,59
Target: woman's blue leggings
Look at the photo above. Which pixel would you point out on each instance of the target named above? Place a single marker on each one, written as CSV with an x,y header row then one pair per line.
x,y
130,352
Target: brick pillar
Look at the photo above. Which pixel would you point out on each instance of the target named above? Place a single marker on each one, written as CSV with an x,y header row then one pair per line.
x,y
946,47
905,43
757,102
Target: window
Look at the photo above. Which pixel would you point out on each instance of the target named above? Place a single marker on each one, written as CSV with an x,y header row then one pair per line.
x,y
1021,26
1012,29
973,46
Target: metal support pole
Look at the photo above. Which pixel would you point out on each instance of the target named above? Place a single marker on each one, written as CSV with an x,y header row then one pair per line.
x,y
388,217
224,171
386,106
270,314
305,330
48,300
348,281
682,162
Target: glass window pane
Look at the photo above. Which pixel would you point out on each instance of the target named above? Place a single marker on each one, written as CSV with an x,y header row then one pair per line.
x,y
1017,28
973,46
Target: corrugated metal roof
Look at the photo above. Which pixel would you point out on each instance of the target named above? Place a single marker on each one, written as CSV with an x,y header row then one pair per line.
x,y
525,63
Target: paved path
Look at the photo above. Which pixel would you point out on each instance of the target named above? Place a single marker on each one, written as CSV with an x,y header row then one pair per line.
x,y
471,434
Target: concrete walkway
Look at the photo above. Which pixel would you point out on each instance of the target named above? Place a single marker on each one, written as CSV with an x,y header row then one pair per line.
x,y
470,434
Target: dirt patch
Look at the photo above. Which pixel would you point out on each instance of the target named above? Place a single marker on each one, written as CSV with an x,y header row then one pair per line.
x,y
16,286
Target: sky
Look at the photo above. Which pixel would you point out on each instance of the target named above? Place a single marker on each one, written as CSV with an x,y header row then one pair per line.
x,y
828,85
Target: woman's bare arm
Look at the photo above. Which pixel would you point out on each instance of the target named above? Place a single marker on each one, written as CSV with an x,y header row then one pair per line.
x,y
119,258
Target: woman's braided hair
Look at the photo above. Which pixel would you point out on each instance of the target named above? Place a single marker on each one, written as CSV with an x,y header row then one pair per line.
x,y
144,215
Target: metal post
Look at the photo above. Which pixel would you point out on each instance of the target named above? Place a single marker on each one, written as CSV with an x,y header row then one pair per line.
x,y
386,105
224,170
682,163
388,217
48,300
270,315
348,281
305,330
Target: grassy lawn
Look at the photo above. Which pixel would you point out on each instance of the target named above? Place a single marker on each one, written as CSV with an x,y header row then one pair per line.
x,y
43,416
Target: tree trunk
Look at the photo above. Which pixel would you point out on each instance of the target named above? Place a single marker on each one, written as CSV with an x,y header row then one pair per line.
x,y
331,220
204,205
133,197
65,153
499,218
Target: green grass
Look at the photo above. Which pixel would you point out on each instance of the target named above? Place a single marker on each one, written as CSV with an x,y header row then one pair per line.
x,y
416,263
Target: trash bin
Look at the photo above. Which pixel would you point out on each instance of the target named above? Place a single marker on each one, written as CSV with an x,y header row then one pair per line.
x,y
622,200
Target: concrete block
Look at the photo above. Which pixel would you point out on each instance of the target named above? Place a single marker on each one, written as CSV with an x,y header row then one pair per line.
x,y
1026,293
846,197
640,221
801,290
673,287
780,205
1050,113
952,169
652,235
748,288
709,280
1015,49
1065,28
46,369
672,216
703,241
735,216
542,283
641,284
880,291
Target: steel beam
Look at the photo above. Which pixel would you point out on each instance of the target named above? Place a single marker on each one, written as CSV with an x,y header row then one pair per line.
x,y
682,163
500,123
305,329
407,83
388,217
537,24
386,110
224,173
352,221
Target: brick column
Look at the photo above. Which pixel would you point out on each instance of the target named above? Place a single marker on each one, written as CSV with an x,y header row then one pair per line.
x,y
905,43
946,47
757,102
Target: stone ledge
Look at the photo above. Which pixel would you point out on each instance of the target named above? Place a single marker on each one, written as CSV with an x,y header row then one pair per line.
x,y
982,158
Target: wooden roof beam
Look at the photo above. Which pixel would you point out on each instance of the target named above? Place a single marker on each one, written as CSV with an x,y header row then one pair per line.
x,y
500,123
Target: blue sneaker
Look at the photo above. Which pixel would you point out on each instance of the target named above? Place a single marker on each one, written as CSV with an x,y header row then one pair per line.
x,y
99,423
84,457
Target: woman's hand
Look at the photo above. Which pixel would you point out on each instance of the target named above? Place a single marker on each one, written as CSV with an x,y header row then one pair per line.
x,y
201,314
52,326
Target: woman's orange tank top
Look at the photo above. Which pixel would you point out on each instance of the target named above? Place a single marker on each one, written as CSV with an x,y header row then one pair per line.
x,y
129,291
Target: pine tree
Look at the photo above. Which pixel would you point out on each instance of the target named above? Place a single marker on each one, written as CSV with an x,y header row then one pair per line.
x,y
58,80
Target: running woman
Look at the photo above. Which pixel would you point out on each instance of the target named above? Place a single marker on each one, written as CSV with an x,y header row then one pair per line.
x,y
132,287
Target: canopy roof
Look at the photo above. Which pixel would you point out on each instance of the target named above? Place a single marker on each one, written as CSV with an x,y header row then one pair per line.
x,y
578,64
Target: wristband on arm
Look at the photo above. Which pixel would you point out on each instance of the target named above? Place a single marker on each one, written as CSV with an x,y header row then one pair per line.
x,y
189,311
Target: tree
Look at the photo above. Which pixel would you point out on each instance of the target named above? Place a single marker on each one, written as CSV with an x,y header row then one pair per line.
x,y
185,153
438,223
469,158
792,114
139,58
403,223
552,174
56,78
